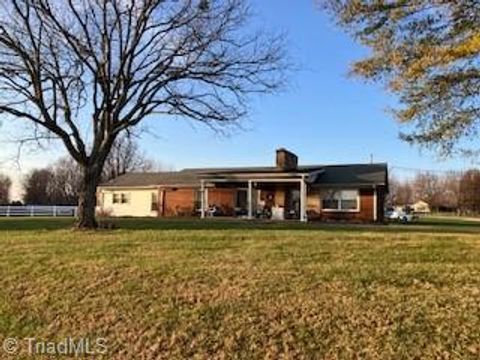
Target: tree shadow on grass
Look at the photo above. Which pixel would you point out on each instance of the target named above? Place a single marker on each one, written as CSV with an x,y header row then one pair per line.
x,y
428,226
229,224
35,224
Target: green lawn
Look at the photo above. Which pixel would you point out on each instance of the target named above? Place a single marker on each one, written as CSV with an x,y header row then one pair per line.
x,y
226,289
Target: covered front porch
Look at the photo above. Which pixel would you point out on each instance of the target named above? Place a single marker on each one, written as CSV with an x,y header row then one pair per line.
x,y
270,197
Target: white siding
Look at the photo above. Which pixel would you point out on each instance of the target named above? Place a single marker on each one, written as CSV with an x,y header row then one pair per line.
x,y
139,203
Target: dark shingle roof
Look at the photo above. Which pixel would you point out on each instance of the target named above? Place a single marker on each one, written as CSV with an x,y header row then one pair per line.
x,y
354,174
252,169
154,179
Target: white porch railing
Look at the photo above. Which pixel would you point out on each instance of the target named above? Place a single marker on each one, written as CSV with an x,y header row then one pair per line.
x,y
37,210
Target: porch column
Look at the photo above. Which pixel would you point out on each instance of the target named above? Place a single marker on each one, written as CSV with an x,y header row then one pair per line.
x,y
303,200
202,199
207,206
375,204
249,200
161,203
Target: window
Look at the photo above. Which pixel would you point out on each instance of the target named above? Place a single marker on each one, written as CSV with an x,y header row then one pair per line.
x,y
154,202
241,199
116,198
341,200
121,198
125,198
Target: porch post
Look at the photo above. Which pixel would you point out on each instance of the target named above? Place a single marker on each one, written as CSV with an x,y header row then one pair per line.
x,y
375,204
161,203
249,200
303,200
207,207
202,199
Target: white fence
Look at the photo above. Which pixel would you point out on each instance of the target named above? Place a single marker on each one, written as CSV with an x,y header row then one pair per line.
x,y
37,210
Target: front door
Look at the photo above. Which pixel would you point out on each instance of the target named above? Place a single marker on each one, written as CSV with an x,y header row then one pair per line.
x,y
292,204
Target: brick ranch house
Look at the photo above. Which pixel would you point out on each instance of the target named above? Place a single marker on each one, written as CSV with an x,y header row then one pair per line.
x,y
286,191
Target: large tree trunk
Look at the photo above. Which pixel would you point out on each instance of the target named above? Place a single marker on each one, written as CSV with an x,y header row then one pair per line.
x,y
87,199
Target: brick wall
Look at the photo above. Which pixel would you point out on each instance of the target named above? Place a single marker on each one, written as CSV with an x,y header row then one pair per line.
x,y
180,202
223,198
366,213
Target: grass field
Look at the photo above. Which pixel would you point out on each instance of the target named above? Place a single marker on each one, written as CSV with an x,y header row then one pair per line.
x,y
223,289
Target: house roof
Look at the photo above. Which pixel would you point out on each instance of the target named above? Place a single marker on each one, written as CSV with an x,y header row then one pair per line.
x,y
355,174
147,179
252,169
331,175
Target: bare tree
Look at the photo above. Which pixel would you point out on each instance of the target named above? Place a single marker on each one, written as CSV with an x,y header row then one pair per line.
x,y
60,183
36,187
55,185
400,191
441,192
427,187
86,71
470,192
450,191
124,157
393,185
5,185
65,183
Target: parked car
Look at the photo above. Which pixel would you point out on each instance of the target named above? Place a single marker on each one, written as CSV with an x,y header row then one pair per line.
x,y
404,215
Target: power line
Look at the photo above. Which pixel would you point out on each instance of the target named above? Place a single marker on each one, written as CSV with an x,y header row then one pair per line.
x,y
420,170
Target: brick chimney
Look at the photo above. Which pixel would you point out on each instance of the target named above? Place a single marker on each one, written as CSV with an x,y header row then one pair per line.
x,y
286,160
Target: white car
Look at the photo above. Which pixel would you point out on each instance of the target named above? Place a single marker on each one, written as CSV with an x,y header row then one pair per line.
x,y
402,215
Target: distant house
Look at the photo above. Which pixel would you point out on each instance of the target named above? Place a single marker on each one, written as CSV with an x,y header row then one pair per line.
x,y
421,207
286,191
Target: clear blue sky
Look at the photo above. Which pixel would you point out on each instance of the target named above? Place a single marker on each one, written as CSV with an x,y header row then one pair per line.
x,y
323,116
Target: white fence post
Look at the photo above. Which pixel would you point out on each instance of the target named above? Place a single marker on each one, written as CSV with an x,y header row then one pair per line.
x,y
54,210
8,210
